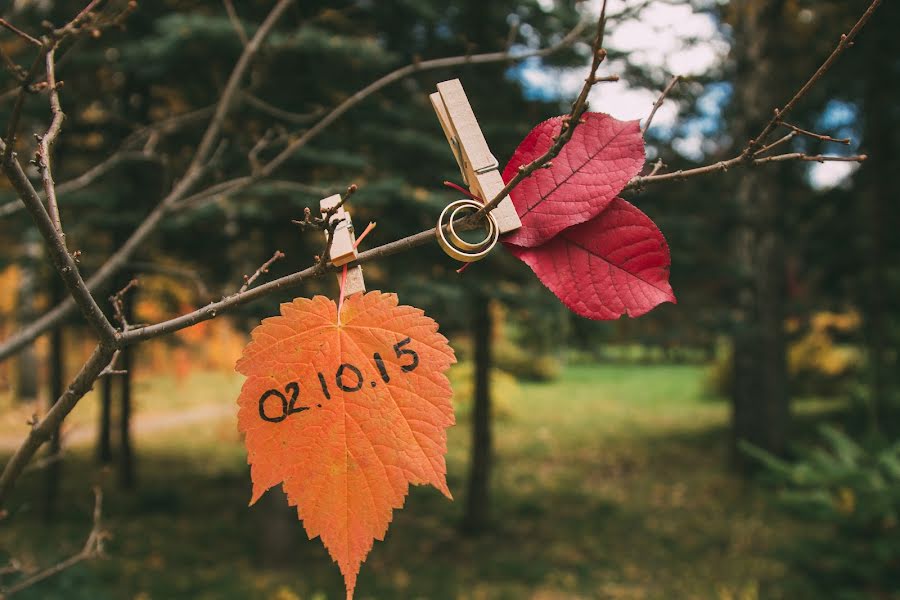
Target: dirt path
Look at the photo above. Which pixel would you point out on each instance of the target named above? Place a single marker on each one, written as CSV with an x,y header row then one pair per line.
x,y
142,426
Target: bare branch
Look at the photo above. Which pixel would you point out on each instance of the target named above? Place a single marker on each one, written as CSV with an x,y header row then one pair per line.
x,y
83,180
278,113
117,301
46,427
173,200
819,158
264,268
639,182
16,115
93,548
236,22
845,42
659,103
567,129
31,40
191,176
816,136
62,260
15,70
46,142
776,143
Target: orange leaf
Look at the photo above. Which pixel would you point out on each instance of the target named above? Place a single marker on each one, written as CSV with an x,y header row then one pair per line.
x,y
346,416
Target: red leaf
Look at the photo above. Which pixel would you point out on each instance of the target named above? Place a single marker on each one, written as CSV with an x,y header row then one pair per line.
x,y
346,416
592,168
617,263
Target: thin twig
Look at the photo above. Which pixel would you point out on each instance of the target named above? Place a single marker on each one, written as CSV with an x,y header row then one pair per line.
x,y
639,182
236,22
93,548
845,42
659,103
278,113
24,88
194,172
63,261
110,370
776,143
118,303
264,268
46,142
44,429
12,66
83,180
816,136
819,158
31,40
567,127
173,201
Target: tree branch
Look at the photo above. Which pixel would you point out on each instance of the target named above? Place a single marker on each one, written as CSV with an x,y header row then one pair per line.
x,y
93,548
46,427
659,103
172,201
62,260
567,129
845,42
45,145
192,174
31,40
104,352
236,22
264,268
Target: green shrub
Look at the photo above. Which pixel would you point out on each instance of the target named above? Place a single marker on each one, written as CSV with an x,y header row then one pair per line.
x,y
525,365
854,493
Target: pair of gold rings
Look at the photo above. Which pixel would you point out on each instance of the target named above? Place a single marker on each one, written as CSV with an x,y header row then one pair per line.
x,y
455,246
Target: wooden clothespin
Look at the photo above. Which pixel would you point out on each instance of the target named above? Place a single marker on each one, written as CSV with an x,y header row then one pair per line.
x,y
343,246
477,164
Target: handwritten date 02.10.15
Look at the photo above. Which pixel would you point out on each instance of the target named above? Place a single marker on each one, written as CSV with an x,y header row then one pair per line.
x,y
348,378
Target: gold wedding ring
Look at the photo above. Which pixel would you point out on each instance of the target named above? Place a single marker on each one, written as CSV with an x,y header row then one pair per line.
x,y
453,245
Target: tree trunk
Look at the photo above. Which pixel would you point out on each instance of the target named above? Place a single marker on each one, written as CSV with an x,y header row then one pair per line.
x,y
56,370
127,478
760,402
104,433
878,187
477,510
27,361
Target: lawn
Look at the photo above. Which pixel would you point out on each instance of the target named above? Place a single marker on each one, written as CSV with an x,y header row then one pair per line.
x,y
610,483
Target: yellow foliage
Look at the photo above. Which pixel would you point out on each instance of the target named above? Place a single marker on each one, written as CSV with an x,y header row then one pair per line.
x,y
816,360
504,390
817,351
843,322
9,286
845,501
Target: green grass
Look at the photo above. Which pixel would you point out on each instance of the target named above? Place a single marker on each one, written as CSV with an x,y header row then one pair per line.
x,y
610,483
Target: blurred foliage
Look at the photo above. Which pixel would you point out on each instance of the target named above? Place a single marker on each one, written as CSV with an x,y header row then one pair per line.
x,y
853,492
504,391
821,361
824,356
